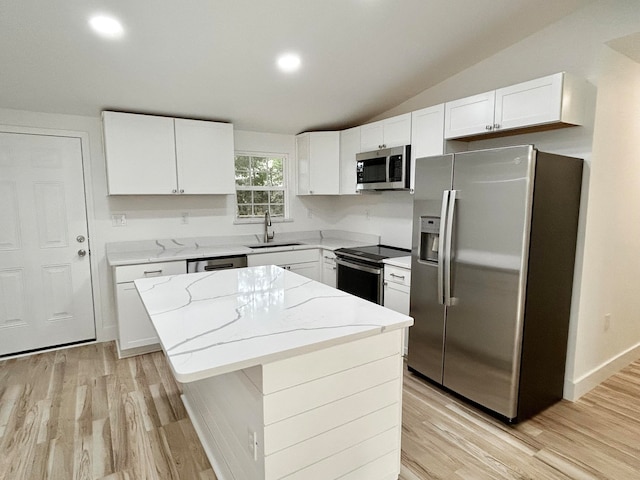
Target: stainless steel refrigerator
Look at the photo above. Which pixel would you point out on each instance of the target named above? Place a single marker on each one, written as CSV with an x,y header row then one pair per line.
x,y
494,238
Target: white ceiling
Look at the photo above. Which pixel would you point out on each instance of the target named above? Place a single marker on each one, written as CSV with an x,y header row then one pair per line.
x,y
215,59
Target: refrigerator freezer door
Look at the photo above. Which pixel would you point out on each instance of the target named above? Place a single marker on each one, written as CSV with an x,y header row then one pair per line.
x,y
490,245
433,177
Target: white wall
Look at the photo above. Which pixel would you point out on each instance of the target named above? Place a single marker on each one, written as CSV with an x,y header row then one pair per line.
x,y
610,276
388,214
607,268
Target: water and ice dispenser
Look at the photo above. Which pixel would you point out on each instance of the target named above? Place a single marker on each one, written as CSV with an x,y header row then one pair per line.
x,y
429,239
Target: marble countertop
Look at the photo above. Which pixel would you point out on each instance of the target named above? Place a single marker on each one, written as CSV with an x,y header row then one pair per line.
x,y
217,322
162,250
402,262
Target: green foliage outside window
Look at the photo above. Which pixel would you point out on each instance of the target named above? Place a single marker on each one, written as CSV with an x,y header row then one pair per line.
x,y
260,185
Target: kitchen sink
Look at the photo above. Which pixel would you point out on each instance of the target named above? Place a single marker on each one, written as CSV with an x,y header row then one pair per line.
x,y
273,245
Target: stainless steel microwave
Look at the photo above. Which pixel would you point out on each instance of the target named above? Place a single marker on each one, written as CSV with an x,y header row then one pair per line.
x,y
386,169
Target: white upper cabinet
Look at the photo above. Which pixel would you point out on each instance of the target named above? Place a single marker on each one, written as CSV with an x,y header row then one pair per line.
x,y
469,116
204,153
151,155
387,133
318,155
141,154
427,135
349,148
553,101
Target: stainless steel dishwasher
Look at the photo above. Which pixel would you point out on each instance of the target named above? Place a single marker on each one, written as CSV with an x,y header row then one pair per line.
x,y
216,263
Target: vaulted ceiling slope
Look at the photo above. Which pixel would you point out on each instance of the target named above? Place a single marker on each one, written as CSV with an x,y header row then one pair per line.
x,y
215,59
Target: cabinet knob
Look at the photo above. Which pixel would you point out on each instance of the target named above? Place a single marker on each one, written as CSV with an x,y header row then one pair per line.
x,y
82,253
182,190
496,126
174,191
489,127
80,238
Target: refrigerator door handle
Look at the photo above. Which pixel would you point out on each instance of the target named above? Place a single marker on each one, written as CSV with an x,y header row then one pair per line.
x,y
448,300
441,243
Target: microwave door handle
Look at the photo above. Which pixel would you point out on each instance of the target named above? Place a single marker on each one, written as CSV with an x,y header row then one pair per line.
x,y
447,248
441,243
388,163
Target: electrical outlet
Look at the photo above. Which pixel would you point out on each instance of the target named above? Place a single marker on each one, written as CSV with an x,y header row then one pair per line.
x,y
607,321
119,220
252,443
185,218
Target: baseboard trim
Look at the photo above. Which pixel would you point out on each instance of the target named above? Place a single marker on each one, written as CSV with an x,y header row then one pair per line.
x,y
573,390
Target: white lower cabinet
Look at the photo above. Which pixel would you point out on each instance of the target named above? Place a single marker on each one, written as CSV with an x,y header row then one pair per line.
x,y
135,332
329,268
302,262
397,287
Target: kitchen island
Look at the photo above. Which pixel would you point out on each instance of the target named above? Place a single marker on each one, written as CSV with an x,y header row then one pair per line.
x,y
283,377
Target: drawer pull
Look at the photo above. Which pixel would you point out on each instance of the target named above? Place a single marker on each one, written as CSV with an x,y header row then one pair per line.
x,y
401,277
153,272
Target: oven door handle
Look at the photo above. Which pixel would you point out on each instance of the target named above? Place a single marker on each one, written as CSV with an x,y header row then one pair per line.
x,y
357,266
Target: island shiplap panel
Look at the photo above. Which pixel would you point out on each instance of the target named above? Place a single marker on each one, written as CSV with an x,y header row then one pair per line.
x,y
335,420
307,396
310,366
301,427
353,458
331,443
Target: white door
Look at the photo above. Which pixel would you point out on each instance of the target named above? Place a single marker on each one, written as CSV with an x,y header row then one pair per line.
x,y
45,281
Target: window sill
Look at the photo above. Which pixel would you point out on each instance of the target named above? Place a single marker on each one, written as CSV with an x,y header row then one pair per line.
x,y
248,221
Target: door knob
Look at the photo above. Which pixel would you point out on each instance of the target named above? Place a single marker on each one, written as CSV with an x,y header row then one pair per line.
x,y
80,238
82,253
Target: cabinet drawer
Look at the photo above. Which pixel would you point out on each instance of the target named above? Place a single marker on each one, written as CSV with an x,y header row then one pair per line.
x,y
129,273
328,257
283,258
397,275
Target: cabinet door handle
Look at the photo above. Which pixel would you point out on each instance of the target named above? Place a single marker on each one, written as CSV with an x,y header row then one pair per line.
x,y
496,126
152,272
489,127
397,276
328,258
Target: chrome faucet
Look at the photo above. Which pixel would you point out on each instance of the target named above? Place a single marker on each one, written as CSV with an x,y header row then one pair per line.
x,y
267,224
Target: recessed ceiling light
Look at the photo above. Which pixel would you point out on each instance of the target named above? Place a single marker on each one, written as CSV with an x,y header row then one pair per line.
x,y
289,62
106,26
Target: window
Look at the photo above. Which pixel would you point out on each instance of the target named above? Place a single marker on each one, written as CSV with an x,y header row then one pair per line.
x,y
260,185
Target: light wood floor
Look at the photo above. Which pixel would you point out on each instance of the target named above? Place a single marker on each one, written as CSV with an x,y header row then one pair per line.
x,y
82,414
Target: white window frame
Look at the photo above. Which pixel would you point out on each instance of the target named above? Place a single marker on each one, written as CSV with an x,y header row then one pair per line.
x,y
284,188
